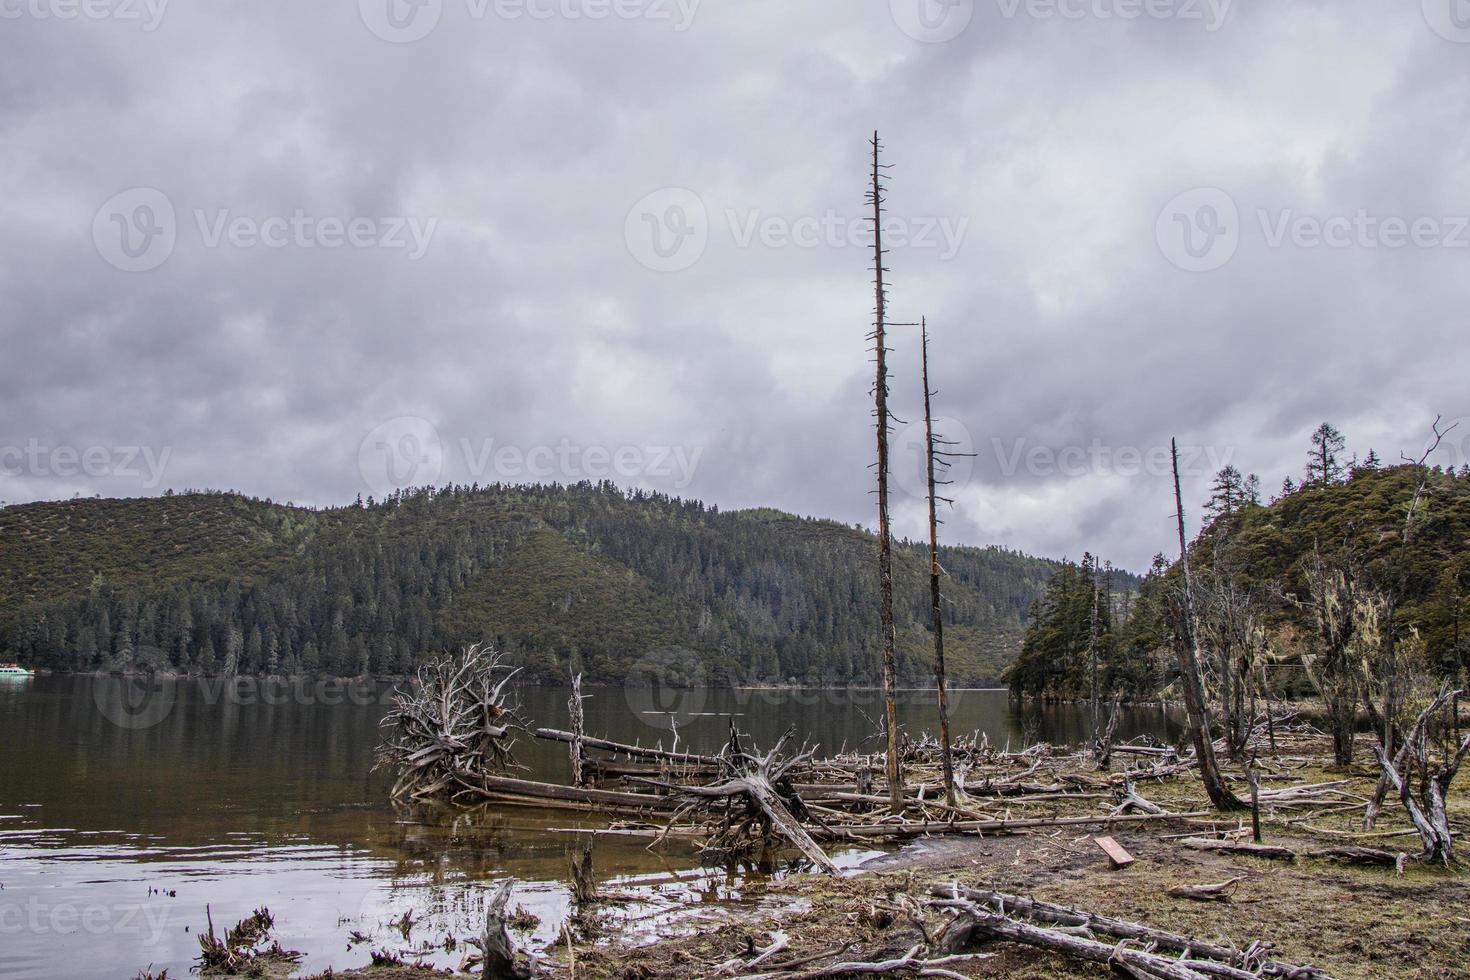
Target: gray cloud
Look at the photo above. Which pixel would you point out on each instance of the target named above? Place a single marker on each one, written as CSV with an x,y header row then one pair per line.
x,y
1046,145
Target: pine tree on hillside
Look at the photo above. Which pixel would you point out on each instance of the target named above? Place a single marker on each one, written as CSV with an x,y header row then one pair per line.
x,y
1323,465
1230,491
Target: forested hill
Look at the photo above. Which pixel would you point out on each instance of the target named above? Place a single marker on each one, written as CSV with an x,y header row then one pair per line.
x,y
581,578
1381,552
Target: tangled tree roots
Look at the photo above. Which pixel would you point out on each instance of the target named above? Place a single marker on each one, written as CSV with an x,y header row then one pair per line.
x,y
773,809
452,727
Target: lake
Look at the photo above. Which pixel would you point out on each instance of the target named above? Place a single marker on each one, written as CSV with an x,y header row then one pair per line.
x,y
128,805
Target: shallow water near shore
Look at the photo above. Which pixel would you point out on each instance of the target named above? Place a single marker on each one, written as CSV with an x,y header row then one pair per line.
x,y
128,805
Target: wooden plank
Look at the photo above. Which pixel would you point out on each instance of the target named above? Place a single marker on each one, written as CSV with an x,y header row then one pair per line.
x,y
1114,851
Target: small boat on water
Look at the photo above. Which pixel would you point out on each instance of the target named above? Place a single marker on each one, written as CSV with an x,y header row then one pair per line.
x,y
15,670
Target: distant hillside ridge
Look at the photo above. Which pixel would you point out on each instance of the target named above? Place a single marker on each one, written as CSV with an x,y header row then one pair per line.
x,y
583,578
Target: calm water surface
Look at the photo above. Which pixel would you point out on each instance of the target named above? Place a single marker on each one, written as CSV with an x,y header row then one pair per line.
x,y
127,806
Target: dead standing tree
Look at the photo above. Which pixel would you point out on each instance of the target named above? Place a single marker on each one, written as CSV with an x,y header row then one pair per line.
x,y
1186,646
452,727
1427,812
887,627
936,457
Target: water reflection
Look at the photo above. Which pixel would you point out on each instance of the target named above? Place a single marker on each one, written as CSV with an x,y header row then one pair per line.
x,y
127,805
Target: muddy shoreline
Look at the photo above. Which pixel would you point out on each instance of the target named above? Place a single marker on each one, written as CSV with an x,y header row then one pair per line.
x,y
1350,921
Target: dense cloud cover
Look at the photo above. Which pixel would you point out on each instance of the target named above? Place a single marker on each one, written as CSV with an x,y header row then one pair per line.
x,y
311,250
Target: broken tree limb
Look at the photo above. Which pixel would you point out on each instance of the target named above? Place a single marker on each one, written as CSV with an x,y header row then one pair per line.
x,y
1219,892
910,964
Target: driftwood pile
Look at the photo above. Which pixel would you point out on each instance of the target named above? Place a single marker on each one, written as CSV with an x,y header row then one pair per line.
x,y
449,739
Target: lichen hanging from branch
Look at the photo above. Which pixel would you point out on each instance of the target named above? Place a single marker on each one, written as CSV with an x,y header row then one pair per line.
x,y
452,726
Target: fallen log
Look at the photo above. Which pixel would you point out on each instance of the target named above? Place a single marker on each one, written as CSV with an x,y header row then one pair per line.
x,y
974,922
1276,852
934,827
910,964
552,792
1123,929
633,751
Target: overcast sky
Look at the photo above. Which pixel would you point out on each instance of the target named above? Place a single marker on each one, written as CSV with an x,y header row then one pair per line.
x,y
312,250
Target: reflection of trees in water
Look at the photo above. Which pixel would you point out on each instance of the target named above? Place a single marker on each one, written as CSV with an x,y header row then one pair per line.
x,y
443,842
1064,723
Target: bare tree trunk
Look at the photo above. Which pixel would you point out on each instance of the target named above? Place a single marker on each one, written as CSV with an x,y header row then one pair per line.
x,y
574,709
501,960
885,554
1096,694
1194,685
934,597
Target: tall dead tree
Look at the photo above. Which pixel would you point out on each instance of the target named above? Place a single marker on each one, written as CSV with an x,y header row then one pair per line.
x,y
885,542
933,458
1187,648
